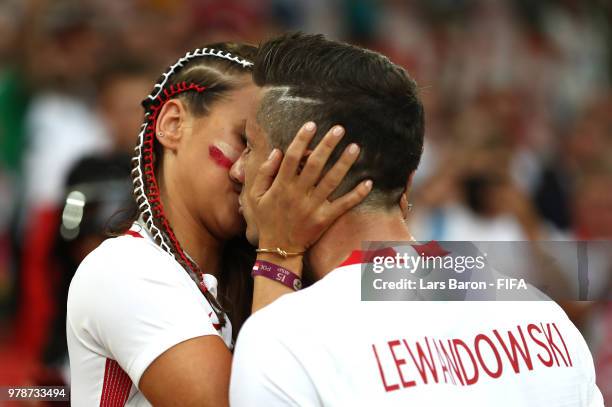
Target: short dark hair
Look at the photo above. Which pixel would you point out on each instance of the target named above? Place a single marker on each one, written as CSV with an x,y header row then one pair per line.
x,y
309,77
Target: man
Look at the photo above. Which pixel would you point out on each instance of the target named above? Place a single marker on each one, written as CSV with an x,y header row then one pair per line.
x,y
323,345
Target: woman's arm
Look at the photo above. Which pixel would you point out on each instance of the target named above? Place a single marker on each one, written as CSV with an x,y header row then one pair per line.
x,y
192,373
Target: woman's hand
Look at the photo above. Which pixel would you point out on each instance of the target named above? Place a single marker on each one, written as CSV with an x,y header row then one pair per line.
x,y
290,204
291,207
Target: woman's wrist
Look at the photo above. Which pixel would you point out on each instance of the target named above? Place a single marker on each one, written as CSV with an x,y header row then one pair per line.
x,y
266,290
277,273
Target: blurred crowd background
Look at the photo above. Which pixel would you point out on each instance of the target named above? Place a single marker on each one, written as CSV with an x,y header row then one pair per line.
x,y
518,101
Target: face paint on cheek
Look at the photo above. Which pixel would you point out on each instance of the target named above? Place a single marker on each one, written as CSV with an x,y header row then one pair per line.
x,y
223,155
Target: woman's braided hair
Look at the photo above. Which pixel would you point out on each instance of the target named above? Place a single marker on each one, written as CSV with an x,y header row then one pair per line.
x,y
199,78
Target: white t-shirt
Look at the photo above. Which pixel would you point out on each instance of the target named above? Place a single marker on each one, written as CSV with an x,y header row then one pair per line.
x,y
129,302
323,346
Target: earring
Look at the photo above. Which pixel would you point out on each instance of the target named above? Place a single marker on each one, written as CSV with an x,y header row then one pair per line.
x,y
160,134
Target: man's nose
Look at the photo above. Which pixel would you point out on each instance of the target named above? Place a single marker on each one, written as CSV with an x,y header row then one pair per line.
x,y
237,171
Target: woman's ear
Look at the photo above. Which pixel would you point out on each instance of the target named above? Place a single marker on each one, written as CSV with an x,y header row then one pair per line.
x,y
171,117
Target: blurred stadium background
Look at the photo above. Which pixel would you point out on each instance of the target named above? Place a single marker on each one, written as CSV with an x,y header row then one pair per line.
x,y
519,129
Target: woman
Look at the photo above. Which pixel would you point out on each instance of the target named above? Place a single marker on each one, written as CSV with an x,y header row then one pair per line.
x,y
145,320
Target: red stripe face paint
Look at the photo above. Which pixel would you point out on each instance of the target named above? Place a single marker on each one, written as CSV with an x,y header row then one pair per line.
x,y
223,155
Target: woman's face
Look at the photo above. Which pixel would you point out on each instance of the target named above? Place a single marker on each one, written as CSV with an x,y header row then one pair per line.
x,y
210,145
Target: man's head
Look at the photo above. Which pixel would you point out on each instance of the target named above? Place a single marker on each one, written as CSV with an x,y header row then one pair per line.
x,y
309,78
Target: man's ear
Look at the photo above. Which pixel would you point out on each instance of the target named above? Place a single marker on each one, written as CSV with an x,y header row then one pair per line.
x,y
171,117
405,206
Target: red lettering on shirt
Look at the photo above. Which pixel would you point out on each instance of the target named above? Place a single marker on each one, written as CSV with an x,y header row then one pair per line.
x,y
484,338
398,363
423,359
553,346
452,363
454,356
382,374
530,329
563,342
445,369
468,380
514,345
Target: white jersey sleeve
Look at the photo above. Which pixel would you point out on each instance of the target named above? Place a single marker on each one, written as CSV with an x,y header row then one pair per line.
x,y
265,372
130,302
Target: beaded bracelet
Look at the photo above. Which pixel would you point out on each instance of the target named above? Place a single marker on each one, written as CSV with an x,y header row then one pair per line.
x,y
277,273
